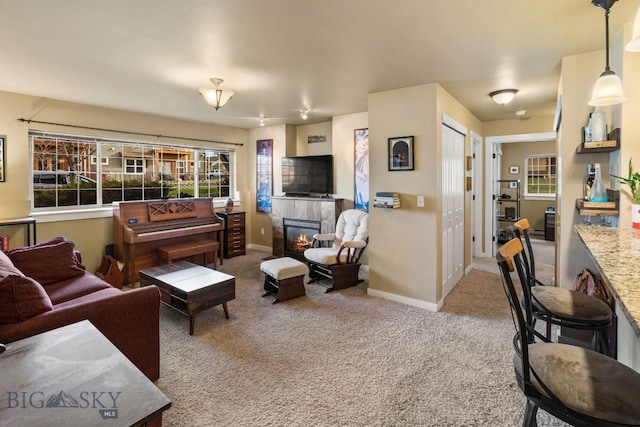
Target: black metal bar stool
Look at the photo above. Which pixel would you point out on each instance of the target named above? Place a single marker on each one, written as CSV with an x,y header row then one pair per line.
x,y
563,307
577,385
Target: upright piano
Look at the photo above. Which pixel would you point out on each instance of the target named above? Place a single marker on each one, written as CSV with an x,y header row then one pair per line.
x,y
139,227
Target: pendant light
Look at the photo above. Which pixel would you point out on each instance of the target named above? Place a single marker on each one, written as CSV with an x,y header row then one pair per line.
x,y
608,88
215,96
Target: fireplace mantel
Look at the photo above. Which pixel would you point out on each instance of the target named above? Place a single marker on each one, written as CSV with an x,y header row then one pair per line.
x,y
325,210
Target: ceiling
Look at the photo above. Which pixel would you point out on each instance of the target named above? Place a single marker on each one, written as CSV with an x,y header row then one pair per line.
x,y
282,56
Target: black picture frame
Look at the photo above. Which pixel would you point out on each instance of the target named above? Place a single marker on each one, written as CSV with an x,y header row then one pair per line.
x,y
401,153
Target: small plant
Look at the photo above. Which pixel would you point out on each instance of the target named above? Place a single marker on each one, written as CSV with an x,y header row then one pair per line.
x,y
633,181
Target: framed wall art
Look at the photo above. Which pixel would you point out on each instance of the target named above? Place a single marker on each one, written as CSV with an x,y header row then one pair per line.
x,y
361,169
3,143
264,175
401,153
514,170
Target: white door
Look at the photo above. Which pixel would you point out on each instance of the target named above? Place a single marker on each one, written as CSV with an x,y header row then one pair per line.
x,y
476,196
497,169
453,175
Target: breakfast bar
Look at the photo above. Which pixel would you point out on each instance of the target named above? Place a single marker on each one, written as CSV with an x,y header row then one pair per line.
x,y
616,252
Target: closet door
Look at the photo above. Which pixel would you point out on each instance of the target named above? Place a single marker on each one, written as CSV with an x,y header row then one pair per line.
x,y
452,208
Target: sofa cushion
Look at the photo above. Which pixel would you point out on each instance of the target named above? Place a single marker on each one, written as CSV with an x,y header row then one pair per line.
x,y
70,289
47,263
21,298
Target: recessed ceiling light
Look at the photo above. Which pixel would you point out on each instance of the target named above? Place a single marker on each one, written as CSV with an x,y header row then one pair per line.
x,y
521,113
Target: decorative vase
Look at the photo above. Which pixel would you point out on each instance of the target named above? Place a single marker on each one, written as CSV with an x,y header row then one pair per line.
x,y
635,216
228,205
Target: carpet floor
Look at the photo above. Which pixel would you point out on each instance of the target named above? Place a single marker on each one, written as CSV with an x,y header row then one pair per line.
x,y
343,359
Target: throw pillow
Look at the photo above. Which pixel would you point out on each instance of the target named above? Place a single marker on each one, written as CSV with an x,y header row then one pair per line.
x,y
49,242
21,298
6,266
48,264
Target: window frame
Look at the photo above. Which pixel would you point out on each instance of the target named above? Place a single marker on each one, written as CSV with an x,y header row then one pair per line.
x,y
102,169
137,168
552,176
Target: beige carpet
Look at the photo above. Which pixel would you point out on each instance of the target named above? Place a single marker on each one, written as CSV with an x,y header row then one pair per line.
x,y
544,252
343,359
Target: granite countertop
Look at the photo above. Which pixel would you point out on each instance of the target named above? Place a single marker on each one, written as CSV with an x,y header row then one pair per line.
x,y
617,253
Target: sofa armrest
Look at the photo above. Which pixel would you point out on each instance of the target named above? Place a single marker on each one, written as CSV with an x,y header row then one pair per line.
x,y
130,320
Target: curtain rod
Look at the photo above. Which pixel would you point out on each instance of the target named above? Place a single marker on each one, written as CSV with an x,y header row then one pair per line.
x,y
130,133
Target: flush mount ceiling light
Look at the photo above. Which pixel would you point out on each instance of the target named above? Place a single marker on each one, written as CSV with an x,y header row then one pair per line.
x,y
503,96
520,113
634,44
304,114
215,96
608,87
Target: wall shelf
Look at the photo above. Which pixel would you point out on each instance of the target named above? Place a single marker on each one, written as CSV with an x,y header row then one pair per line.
x,y
387,200
585,207
598,147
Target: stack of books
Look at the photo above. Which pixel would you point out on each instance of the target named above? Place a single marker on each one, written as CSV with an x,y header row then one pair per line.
x,y
387,199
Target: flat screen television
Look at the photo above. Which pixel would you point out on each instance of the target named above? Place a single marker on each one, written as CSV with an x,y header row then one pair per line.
x,y
307,175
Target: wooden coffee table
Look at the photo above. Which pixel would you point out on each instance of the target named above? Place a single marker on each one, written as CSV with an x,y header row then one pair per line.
x,y
190,288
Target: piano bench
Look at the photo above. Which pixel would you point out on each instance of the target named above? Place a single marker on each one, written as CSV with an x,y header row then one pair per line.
x,y
168,253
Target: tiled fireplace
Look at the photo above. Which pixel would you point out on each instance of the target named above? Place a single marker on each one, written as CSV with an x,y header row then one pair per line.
x,y
323,212
298,235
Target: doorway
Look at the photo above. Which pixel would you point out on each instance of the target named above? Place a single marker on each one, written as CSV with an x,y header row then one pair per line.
x,y
492,167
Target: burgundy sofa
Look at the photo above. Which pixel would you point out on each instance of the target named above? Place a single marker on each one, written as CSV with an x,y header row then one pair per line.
x,y
45,286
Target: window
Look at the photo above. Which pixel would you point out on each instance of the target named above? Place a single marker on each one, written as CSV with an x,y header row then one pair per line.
x,y
180,167
134,166
66,172
541,176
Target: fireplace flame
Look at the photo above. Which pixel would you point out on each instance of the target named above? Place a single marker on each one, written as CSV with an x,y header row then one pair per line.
x,y
302,243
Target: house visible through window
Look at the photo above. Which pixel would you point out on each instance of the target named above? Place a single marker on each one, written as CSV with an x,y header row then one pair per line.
x,y
66,172
541,176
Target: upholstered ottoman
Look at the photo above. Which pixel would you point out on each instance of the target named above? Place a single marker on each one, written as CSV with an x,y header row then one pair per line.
x,y
283,278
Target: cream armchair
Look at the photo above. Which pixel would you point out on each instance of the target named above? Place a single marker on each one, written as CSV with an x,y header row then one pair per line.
x,y
336,256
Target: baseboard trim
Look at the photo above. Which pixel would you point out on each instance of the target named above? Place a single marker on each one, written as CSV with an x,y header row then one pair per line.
x,y
259,247
405,300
